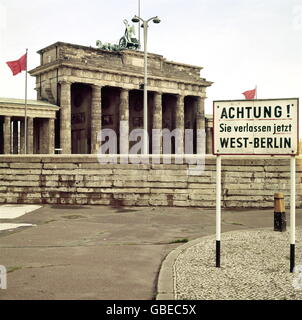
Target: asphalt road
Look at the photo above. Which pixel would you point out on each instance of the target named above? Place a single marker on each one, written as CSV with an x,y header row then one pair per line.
x,y
97,252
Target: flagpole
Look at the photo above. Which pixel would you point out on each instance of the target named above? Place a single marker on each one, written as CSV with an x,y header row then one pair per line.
x,y
139,14
25,118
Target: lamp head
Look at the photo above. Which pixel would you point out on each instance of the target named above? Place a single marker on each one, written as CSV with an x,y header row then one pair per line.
x,y
135,19
156,20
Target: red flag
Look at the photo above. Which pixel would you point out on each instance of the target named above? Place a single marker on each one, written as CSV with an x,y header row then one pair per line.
x,y
18,65
250,94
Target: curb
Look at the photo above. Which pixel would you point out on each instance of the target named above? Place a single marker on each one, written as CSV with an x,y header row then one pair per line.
x,y
165,284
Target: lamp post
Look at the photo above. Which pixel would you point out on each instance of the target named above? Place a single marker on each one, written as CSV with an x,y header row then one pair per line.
x,y
137,19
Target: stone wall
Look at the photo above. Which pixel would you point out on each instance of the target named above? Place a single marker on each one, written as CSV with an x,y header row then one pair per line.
x,y
81,179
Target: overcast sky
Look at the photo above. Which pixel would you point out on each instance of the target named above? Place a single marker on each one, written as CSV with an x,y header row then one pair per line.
x,y
239,43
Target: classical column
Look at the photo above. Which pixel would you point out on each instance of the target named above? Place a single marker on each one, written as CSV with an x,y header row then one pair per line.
x,y
209,136
43,136
22,136
124,121
65,119
157,124
50,136
7,135
96,118
180,124
200,125
30,135
15,137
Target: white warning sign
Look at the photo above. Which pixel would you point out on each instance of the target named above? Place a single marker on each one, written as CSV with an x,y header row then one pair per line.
x,y
264,127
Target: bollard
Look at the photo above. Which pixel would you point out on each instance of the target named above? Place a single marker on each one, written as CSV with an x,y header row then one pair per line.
x,y
279,212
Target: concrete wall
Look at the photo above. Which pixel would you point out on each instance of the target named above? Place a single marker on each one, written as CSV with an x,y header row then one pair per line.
x,y
81,179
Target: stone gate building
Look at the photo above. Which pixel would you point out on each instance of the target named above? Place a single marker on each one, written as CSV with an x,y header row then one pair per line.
x,y
87,89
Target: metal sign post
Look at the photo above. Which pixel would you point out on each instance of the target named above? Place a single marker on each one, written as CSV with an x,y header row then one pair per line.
x,y
218,209
292,212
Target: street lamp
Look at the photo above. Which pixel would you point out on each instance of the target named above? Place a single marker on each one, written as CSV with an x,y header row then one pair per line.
x,y
137,19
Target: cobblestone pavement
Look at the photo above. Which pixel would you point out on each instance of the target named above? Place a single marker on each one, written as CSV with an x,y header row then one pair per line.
x,y
254,265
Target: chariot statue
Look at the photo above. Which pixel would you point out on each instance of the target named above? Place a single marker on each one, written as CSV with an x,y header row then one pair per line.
x,y
128,41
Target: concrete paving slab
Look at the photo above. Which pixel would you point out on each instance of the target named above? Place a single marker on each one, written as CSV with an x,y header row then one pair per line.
x,y
11,226
13,211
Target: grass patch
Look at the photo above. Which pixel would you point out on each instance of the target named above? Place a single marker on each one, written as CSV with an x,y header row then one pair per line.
x,y
14,268
74,216
49,221
183,240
